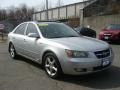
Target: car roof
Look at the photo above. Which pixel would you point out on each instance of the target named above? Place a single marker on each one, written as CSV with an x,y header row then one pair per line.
x,y
44,22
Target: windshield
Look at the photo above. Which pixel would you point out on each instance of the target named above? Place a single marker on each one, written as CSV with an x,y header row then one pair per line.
x,y
57,30
114,27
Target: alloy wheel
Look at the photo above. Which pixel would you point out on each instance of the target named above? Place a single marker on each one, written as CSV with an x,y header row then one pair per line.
x,y
51,66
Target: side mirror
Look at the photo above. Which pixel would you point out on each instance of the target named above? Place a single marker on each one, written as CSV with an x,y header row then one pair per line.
x,y
34,35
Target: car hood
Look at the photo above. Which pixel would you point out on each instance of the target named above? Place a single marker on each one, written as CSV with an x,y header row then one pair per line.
x,y
81,43
111,32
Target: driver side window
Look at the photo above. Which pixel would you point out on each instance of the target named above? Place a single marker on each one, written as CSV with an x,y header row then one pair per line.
x,y
31,29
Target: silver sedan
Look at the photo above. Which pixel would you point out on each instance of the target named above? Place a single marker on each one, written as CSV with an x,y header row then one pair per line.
x,y
59,48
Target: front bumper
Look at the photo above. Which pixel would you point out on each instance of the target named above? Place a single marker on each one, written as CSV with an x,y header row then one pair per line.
x,y
80,66
110,38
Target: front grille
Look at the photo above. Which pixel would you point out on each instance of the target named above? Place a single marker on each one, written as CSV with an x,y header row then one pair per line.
x,y
100,67
109,35
102,54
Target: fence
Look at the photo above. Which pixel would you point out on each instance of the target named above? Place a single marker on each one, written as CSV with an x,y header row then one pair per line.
x,y
3,37
8,27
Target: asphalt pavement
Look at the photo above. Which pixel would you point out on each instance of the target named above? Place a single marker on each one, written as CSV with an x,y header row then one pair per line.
x,y
23,74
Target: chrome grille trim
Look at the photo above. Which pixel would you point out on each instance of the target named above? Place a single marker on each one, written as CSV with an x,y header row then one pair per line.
x,y
102,54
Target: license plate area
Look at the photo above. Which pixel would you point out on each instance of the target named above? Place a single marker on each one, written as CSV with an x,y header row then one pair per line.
x,y
106,37
105,62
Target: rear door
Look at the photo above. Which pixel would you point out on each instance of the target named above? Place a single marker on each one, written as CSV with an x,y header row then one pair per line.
x,y
18,38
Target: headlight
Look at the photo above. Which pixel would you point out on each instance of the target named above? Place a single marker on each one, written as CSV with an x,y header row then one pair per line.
x,y
76,54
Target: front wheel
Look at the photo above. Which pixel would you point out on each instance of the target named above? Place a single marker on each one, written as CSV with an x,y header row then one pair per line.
x,y
52,66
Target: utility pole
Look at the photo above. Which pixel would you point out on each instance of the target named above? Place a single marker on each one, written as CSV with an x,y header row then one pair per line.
x,y
46,9
82,15
59,3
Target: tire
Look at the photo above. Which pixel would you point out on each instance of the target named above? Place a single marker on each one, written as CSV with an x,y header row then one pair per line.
x,y
52,66
12,51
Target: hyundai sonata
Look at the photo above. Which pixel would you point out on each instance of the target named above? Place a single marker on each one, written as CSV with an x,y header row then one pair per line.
x,y
59,48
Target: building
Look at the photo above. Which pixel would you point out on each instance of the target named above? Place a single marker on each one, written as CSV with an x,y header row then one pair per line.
x,y
68,13
102,7
83,13
102,13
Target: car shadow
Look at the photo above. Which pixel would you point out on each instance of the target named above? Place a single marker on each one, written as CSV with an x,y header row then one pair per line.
x,y
102,80
20,58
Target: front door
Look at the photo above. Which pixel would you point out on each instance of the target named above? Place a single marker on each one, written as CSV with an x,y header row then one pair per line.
x,y
32,46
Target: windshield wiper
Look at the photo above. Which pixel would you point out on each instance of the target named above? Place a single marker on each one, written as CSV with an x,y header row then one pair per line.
x,y
55,37
72,36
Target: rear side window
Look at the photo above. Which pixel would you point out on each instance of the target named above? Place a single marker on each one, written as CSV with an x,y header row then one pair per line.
x,y
31,29
21,29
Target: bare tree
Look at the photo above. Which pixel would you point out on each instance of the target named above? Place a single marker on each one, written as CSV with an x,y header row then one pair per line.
x,y
40,7
20,14
50,5
43,7
59,3
3,14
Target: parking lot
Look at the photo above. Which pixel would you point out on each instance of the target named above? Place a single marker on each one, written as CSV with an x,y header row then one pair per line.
x,y
23,74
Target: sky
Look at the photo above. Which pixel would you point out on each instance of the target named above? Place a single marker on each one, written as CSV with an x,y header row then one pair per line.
x,y
32,3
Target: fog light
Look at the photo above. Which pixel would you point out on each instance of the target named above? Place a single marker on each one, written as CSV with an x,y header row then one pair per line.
x,y
80,69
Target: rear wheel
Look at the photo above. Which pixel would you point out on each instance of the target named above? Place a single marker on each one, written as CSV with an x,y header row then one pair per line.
x,y
12,51
52,66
